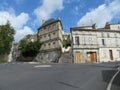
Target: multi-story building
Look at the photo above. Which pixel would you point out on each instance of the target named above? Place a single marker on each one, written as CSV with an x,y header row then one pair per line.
x,y
32,37
50,35
90,44
112,26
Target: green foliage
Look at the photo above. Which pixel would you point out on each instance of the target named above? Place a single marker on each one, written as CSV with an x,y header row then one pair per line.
x,y
6,37
64,43
29,48
2,61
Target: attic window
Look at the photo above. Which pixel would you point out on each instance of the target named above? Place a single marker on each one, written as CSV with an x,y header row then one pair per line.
x,y
44,27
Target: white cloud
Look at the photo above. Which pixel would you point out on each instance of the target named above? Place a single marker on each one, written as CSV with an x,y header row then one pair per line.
x,y
102,14
47,8
23,32
18,22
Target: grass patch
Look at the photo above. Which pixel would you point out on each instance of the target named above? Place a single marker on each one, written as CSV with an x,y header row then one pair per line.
x,y
2,61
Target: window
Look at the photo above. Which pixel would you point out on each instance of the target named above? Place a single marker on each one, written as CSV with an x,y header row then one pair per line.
x,y
77,40
83,40
103,42
54,33
118,53
53,42
49,36
91,40
116,41
115,34
118,27
41,37
44,27
108,35
102,34
105,54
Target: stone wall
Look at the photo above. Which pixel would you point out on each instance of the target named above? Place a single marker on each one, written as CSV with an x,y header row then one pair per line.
x,y
48,56
21,58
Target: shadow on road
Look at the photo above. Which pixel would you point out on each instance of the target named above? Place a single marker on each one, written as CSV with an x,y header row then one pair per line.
x,y
108,74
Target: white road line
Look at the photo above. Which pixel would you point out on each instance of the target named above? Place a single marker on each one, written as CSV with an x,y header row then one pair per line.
x,y
42,66
111,81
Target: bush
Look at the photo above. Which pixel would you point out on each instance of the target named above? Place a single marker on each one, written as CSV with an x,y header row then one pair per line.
x,y
29,48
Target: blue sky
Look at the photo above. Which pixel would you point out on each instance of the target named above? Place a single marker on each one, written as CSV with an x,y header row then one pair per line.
x,y
26,15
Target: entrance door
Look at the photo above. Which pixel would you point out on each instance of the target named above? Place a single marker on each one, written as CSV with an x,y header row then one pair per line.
x,y
77,57
111,54
92,57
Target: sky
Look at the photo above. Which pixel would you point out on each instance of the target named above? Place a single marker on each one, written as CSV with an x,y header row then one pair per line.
x,y
26,15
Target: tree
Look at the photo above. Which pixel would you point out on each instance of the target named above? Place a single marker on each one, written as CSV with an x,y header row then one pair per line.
x,y
66,42
29,48
6,37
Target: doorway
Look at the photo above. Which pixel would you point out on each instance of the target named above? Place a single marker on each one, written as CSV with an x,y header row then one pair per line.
x,y
92,57
77,57
111,54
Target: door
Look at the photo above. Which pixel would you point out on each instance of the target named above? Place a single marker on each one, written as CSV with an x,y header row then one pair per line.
x,y
77,57
92,57
111,54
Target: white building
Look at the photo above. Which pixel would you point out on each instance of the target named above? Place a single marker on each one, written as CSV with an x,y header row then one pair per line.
x,y
95,45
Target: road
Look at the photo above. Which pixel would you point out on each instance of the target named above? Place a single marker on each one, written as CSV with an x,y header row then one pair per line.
x,y
25,76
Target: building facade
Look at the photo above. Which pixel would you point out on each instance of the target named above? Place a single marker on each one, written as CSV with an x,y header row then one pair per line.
x,y
95,45
50,35
32,37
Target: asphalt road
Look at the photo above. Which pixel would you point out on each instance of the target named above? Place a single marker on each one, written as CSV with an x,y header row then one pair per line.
x,y
24,76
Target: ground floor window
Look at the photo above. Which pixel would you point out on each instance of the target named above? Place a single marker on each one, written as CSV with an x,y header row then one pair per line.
x,y
118,53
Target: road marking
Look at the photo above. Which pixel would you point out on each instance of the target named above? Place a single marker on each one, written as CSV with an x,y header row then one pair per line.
x,y
33,62
42,66
111,81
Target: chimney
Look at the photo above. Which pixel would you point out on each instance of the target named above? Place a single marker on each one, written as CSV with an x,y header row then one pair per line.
x,y
107,25
43,21
94,26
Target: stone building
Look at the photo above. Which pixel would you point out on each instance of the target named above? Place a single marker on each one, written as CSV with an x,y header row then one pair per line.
x,y
112,26
50,35
91,44
32,37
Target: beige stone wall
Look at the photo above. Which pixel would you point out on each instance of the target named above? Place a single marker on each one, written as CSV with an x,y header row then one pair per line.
x,y
51,36
51,45
115,27
105,54
103,41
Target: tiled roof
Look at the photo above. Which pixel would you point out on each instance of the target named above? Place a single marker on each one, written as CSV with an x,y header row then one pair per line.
x,y
50,21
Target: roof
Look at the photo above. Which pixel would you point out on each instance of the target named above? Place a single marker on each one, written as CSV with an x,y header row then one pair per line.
x,y
48,22
99,29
